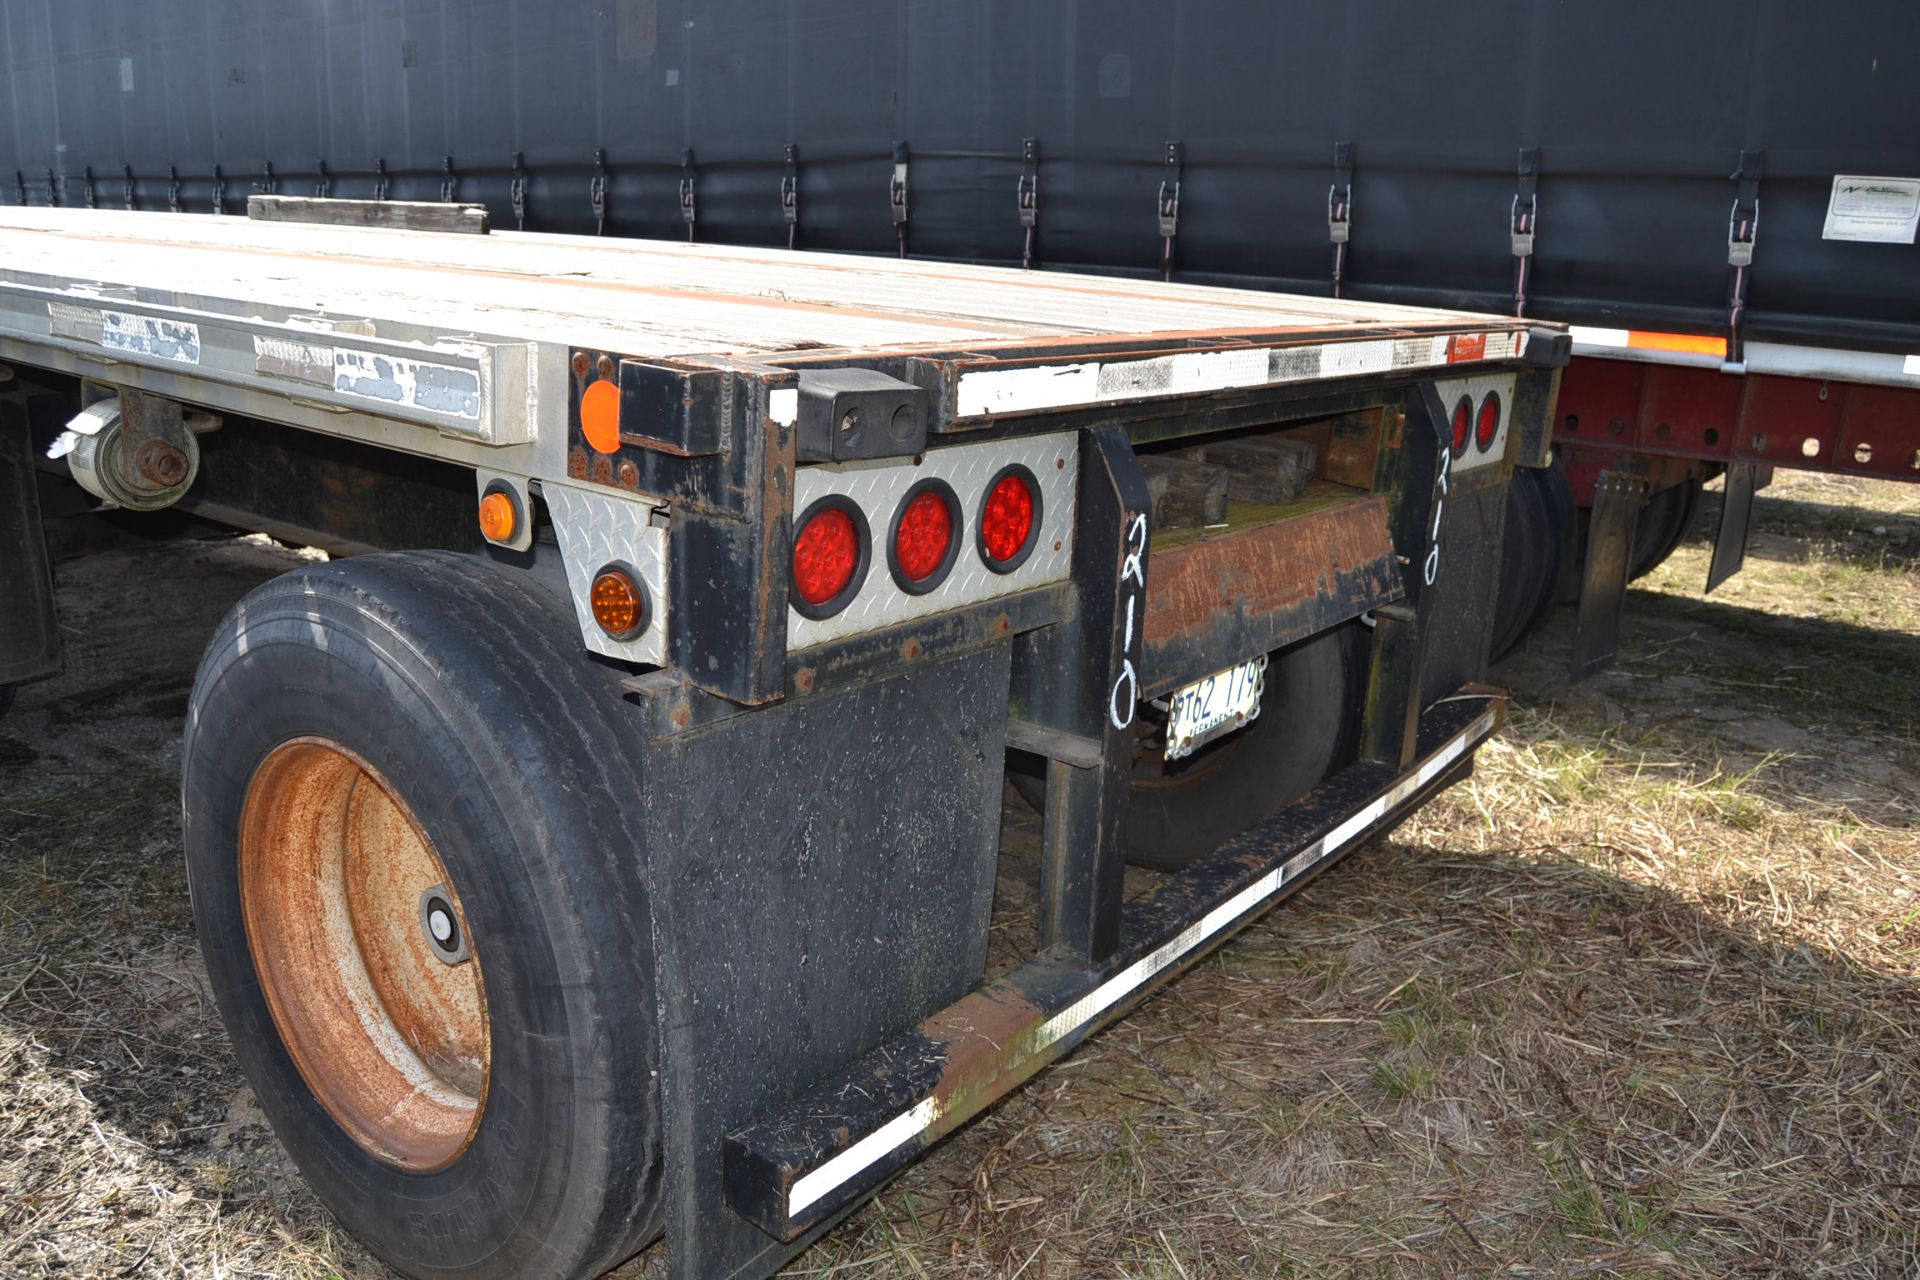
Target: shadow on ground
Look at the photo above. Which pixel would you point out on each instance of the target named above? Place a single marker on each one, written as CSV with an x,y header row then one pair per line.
x,y
1640,998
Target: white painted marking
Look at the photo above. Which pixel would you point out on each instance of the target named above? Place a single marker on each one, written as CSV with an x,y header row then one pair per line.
x,y
1126,686
912,1123
878,1145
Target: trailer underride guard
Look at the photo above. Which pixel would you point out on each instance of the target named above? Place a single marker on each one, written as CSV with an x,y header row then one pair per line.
x,y
614,853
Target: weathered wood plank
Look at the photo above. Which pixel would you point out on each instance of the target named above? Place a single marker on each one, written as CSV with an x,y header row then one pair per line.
x,y
665,298
393,215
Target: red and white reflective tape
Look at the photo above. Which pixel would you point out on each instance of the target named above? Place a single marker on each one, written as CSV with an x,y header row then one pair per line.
x,y
1032,388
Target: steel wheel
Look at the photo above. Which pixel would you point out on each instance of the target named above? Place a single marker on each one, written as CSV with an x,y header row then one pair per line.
x,y
364,955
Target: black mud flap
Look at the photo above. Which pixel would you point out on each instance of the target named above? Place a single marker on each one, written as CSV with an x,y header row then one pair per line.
x,y
795,932
29,632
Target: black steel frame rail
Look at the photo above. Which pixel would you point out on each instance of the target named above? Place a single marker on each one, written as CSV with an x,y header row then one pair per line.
x,y
801,1164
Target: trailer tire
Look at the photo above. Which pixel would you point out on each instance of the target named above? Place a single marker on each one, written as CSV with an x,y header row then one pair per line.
x,y
1308,727
459,689
1665,522
1536,556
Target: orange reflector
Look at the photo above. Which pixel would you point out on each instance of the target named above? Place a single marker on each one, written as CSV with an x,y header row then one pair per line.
x,y
1691,343
618,605
498,518
600,416
1466,346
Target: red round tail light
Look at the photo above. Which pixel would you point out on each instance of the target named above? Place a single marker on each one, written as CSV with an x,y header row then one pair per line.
x,y
1010,519
1487,425
925,538
829,557
1462,423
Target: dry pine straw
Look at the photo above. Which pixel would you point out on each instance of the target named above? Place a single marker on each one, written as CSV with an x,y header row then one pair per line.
x,y
1631,1001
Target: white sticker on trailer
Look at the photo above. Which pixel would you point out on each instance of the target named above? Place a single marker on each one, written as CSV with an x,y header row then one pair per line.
x,y
439,388
1875,210
175,340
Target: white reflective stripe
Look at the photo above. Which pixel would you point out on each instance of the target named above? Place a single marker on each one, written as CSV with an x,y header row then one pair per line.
x,y
878,1145
1586,335
910,1124
1060,386
1117,988
783,405
1911,365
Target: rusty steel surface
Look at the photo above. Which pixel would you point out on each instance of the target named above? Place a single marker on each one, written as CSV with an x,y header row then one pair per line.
x,y
392,1041
1611,408
1248,591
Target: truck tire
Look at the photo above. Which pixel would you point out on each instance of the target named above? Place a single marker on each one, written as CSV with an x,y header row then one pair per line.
x,y
419,900
1308,726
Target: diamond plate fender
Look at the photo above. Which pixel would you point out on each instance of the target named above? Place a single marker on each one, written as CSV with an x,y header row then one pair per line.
x,y
597,528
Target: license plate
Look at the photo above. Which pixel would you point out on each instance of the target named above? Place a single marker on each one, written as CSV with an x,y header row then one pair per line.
x,y
1213,707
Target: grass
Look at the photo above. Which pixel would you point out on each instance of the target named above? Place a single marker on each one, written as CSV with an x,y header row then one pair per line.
x,y
1640,998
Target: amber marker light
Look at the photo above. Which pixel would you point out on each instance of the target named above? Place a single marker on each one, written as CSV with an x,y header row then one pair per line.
x,y
619,603
600,416
499,516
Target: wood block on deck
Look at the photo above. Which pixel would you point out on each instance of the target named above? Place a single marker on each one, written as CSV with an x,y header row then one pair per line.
x,y
1264,469
1186,494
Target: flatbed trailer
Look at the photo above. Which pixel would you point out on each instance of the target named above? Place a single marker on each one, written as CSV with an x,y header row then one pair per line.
x,y
603,843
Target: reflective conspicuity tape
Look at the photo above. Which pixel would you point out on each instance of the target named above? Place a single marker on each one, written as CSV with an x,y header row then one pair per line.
x,y
876,1146
1693,344
909,1125
1032,388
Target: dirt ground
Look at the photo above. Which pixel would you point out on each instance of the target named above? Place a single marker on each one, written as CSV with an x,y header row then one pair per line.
x,y
1641,998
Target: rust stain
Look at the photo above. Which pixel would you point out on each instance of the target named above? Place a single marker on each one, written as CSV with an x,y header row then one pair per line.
x,y
980,1032
393,1042
1264,569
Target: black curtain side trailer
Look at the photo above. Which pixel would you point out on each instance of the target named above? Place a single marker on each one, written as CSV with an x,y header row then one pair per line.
x,y
603,846
1636,136
1720,197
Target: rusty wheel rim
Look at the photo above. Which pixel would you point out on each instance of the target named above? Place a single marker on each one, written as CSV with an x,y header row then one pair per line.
x,y
350,916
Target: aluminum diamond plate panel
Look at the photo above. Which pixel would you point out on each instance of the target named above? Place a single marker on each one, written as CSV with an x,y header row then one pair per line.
x,y
1475,389
878,488
596,528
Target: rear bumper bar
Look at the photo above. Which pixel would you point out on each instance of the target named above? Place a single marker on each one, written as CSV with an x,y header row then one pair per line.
x,y
800,1164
